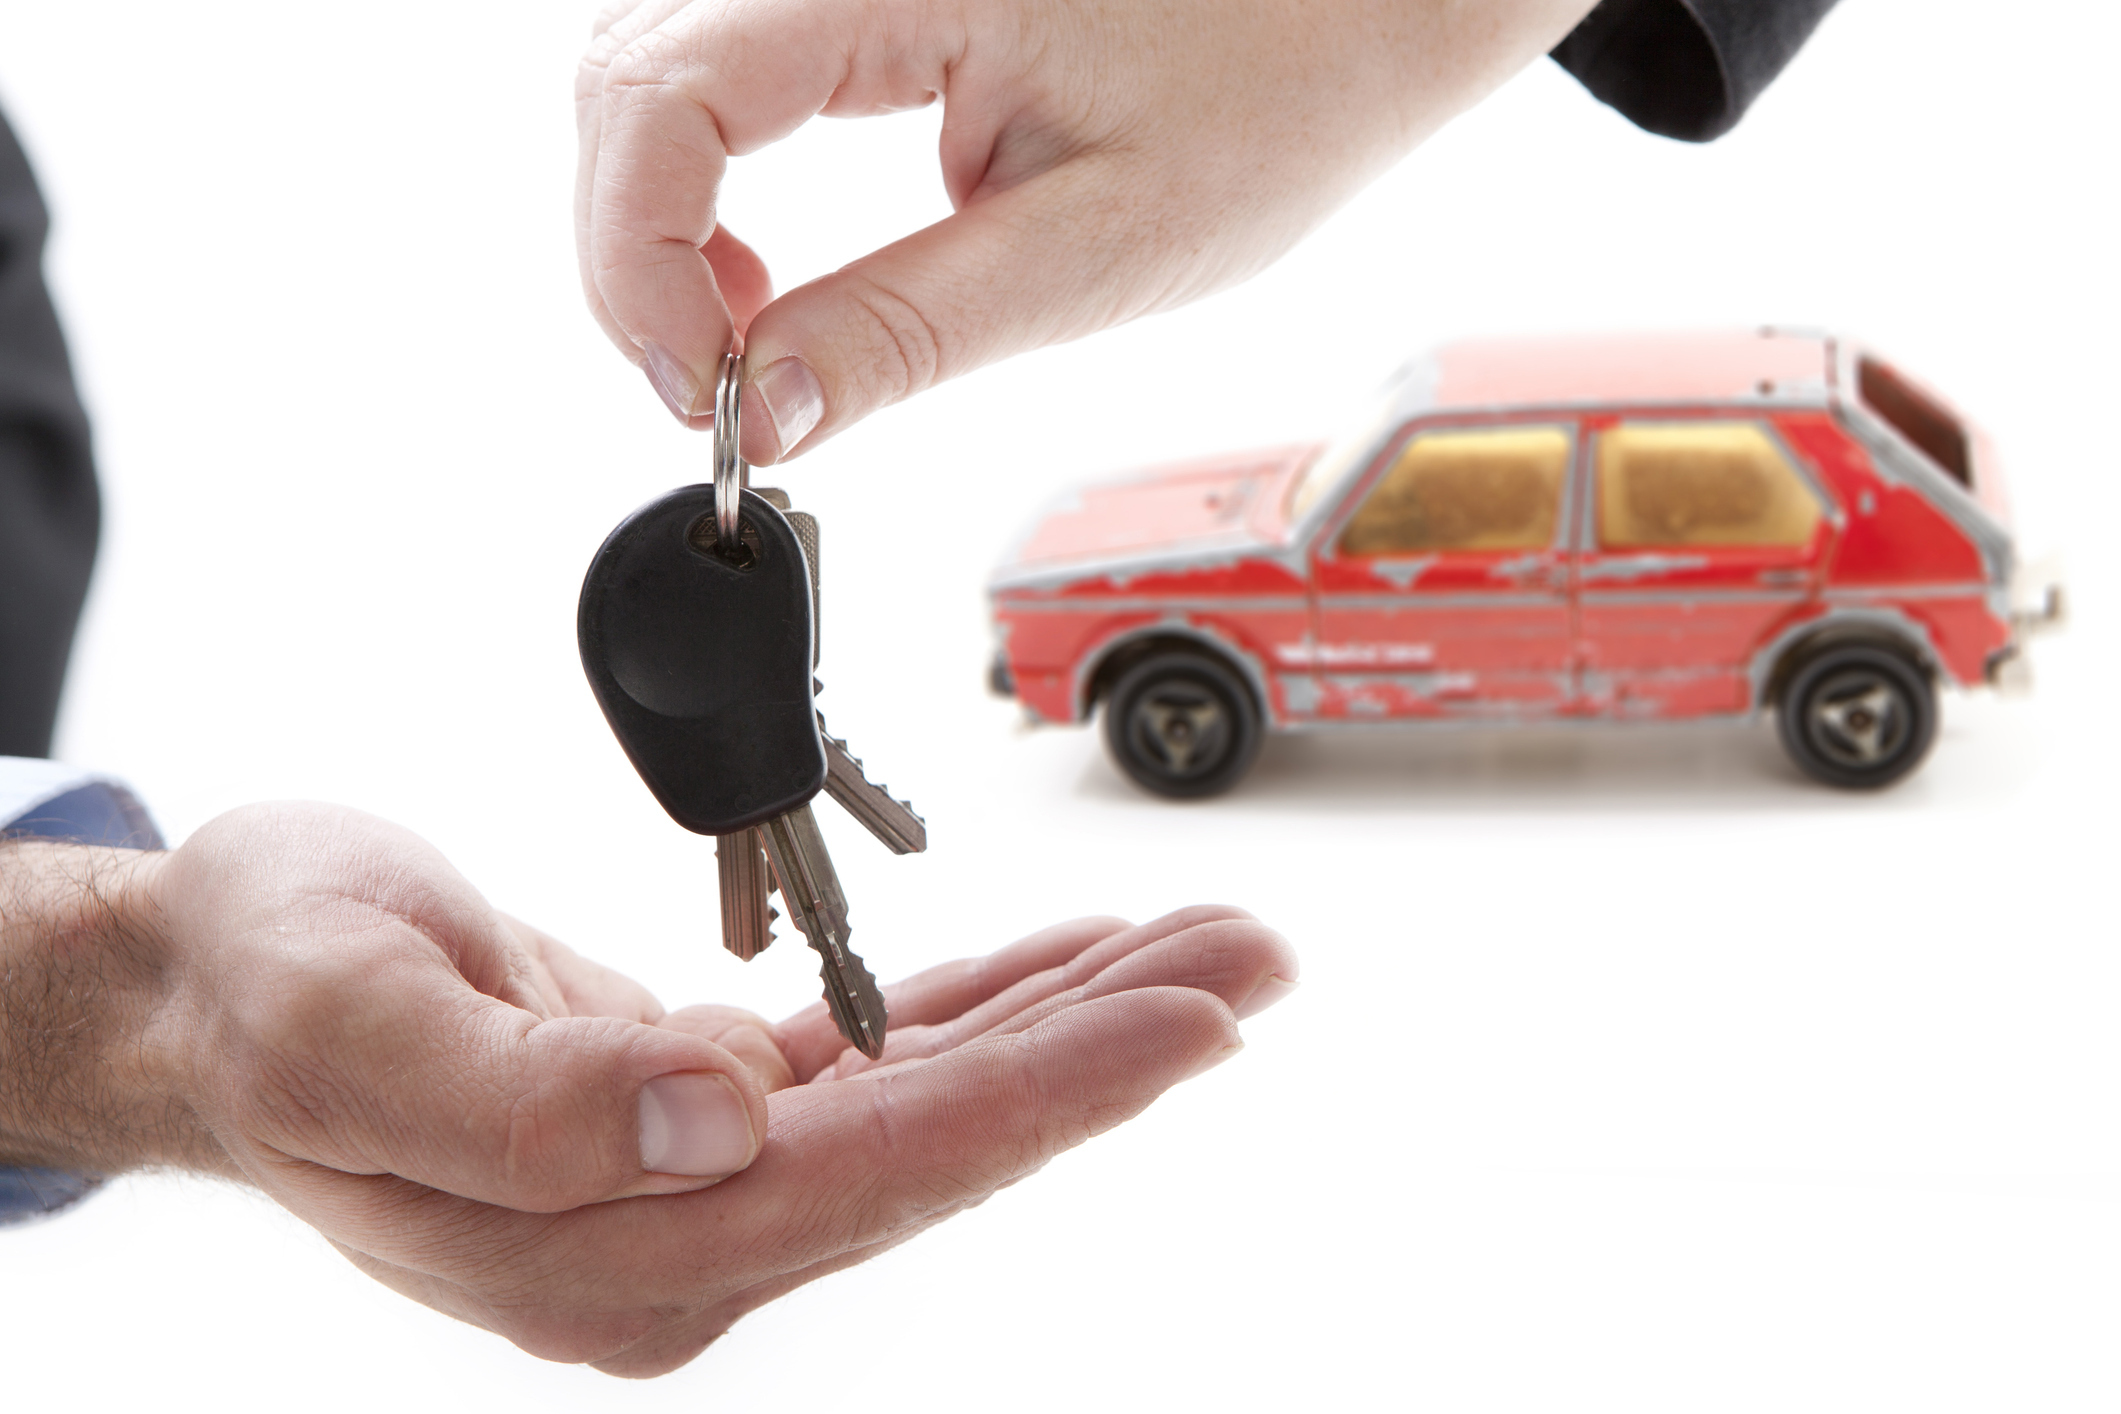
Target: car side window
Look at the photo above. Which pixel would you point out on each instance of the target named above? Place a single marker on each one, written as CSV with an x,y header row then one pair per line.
x,y
1493,488
1699,483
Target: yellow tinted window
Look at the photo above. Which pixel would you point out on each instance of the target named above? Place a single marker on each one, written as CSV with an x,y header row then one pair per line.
x,y
1700,483
1495,489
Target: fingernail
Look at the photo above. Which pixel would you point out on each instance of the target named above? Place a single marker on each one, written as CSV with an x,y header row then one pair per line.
x,y
694,1123
673,381
1215,1060
794,400
1266,994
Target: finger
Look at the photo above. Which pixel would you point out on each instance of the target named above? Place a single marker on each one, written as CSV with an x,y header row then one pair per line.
x,y
746,1035
1021,975
587,988
856,1163
740,275
1083,246
1245,964
1225,953
674,103
618,24
398,1068
811,1042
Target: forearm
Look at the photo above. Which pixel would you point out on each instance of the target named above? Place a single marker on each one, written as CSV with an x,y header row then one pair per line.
x,y
91,1061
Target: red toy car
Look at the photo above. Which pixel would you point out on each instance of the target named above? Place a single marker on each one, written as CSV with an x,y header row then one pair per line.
x,y
1625,528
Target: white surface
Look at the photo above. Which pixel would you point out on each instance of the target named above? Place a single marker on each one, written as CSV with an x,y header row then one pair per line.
x,y
1629,1071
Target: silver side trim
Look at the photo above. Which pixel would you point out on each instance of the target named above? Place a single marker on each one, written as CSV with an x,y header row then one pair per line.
x,y
1676,596
1972,589
1471,599
1156,604
1529,719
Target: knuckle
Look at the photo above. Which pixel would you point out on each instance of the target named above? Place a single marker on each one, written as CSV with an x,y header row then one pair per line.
x,y
538,1169
1250,946
903,347
651,62
595,62
1202,914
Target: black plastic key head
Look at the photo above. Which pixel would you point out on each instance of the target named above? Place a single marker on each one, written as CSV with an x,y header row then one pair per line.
x,y
700,656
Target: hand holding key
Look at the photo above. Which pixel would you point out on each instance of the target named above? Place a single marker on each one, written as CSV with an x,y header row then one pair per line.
x,y
1104,159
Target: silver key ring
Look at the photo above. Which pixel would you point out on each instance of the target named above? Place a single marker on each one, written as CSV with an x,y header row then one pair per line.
x,y
730,473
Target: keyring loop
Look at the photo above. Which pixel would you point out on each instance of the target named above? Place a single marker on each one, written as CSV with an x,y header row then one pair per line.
x,y
730,473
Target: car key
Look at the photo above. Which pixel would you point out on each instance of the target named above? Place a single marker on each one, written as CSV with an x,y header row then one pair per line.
x,y
747,919
891,821
698,644
677,650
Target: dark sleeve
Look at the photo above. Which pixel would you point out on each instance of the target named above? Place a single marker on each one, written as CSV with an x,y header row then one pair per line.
x,y
1687,68
48,505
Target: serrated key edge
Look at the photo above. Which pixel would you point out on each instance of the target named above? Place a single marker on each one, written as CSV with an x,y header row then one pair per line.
x,y
840,789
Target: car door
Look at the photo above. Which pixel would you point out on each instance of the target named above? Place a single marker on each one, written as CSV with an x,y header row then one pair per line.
x,y
1441,584
1700,536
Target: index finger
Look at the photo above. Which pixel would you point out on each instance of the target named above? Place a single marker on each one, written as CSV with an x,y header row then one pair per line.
x,y
675,103
1024,973
811,1042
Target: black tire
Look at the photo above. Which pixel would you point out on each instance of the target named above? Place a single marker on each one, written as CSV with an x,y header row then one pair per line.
x,y
1858,716
1182,725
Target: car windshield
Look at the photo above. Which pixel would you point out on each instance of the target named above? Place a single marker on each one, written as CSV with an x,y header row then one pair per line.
x,y
1341,458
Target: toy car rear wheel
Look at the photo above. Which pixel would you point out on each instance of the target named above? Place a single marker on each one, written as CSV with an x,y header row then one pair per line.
x,y
1182,725
1858,716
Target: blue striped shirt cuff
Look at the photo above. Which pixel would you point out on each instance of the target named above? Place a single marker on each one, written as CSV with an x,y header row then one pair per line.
x,y
45,800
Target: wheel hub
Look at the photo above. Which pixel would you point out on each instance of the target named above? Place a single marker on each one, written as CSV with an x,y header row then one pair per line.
x,y
1859,718
1181,729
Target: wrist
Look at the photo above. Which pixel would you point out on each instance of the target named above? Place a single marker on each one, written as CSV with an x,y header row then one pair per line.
x,y
93,1069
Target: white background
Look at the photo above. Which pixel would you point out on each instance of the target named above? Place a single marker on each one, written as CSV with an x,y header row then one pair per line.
x,y
1630,1071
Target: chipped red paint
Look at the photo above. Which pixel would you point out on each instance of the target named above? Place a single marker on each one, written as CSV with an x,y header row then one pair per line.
x,y
1210,501
1206,551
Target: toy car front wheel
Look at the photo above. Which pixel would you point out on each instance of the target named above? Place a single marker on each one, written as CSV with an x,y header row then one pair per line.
x,y
1182,725
1858,716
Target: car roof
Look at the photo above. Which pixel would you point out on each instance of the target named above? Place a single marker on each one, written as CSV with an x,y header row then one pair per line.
x,y
1774,365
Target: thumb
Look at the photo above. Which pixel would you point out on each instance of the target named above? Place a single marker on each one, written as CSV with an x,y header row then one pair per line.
x,y
436,1083
1061,255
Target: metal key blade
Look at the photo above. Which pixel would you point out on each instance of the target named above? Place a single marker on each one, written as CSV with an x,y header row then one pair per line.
x,y
811,889
891,821
747,920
